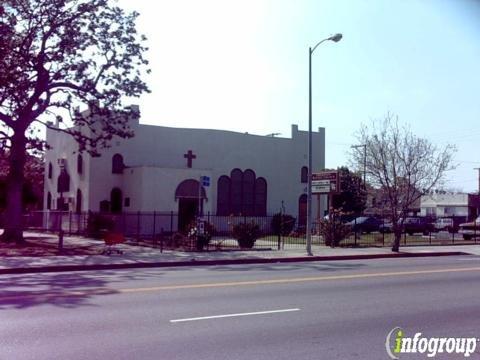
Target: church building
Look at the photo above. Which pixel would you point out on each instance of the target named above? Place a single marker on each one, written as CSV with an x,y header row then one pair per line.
x,y
166,169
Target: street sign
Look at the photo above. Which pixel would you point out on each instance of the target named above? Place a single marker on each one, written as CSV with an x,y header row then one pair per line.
x,y
321,187
325,182
205,180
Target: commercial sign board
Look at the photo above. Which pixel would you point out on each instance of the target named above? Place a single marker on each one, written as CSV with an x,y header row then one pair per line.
x,y
325,182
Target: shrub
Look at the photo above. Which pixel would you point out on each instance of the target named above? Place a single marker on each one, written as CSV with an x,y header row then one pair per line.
x,y
99,224
334,231
202,240
246,234
282,224
174,241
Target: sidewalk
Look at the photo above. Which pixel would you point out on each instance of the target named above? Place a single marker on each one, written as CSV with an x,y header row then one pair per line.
x,y
139,256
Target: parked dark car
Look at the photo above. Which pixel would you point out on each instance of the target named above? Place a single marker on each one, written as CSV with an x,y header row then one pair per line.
x,y
386,227
365,224
411,225
414,225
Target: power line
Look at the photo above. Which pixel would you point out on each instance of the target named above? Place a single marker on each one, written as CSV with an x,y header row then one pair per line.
x,y
337,143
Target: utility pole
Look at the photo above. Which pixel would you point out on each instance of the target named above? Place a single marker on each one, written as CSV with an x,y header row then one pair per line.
x,y
478,179
364,162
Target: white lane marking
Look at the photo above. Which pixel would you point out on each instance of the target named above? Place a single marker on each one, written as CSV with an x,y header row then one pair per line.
x,y
470,259
234,315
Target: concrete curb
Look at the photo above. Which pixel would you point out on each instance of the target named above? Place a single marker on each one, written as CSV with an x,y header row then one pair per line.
x,y
139,265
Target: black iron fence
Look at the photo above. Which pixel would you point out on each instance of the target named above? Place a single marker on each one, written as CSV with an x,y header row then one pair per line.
x,y
161,229
373,231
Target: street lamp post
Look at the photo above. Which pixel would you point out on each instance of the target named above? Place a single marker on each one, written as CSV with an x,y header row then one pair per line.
x,y
478,179
335,38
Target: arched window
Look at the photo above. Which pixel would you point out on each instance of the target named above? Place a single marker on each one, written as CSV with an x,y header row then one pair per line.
x,y
49,201
78,203
63,182
260,197
223,195
242,194
50,170
236,177
116,201
248,193
117,164
304,175
79,164
302,211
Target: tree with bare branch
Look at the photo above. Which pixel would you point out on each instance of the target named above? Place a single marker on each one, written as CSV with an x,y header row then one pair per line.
x,y
401,165
57,55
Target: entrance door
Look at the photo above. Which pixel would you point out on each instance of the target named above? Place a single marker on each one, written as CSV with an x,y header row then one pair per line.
x,y
187,210
116,201
187,194
78,207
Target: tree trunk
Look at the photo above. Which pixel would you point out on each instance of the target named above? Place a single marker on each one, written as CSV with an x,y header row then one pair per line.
x,y
396,240
13,227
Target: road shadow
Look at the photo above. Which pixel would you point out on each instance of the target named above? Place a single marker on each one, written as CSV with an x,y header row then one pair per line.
x,y
66,290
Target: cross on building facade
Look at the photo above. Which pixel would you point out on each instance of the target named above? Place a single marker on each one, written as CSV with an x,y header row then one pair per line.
x,y
189,156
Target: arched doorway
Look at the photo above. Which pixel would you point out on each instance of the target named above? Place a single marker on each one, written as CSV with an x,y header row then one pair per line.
x,y
63,186
78,207
116,201
189,197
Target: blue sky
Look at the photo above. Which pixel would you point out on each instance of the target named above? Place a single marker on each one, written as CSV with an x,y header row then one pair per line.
x,y
243,66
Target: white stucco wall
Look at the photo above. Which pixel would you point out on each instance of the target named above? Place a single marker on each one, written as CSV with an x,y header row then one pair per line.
x,y
153,189
155,165
63,147
445,204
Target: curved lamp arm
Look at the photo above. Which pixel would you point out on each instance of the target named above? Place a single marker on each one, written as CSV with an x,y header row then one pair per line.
x,y
335,38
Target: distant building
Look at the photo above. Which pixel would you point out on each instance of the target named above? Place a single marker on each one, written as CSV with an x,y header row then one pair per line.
x,y
159,170
378,204
450,205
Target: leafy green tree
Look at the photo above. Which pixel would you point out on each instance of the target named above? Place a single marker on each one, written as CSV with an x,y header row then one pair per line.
x,y
32,192
57,55
352,197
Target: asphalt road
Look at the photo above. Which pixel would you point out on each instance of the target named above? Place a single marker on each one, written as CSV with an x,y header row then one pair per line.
x,y
327,310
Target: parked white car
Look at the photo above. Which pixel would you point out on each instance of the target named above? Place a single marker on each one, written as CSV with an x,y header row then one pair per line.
x,y
471,229
447,224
